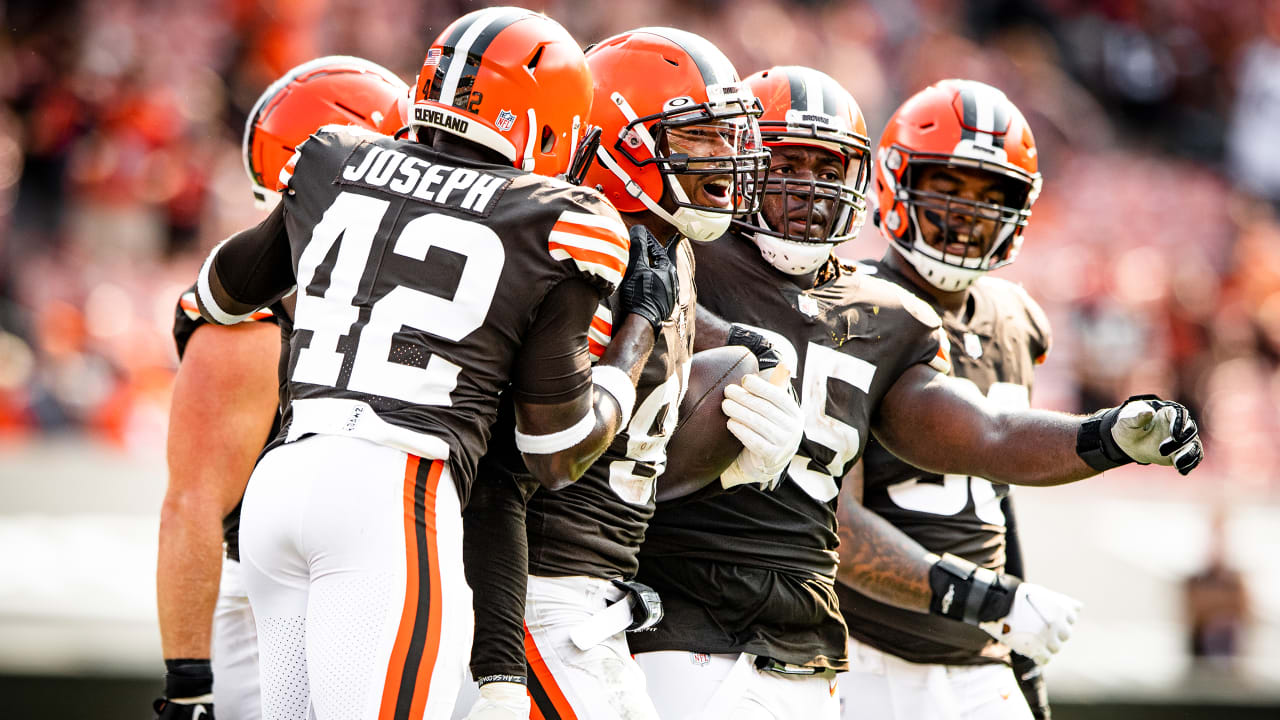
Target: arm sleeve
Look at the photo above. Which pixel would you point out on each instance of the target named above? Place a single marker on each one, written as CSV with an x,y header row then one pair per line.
x,y
1013,548
496,555
554,365
247,271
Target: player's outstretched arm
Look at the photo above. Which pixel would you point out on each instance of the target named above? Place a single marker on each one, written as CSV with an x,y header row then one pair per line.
x,y
883,563
224,403
247,271
557,446
943,425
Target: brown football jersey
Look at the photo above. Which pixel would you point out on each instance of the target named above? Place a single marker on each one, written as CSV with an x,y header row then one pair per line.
x,y
595,526
753,571
421,279
996,347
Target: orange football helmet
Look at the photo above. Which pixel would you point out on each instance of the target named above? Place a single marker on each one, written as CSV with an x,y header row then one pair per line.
x,y
511,80
664,97
959,124
334,90
803,106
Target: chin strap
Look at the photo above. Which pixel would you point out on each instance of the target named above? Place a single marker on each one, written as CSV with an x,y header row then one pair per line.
x,y
697,225
790,257
528,163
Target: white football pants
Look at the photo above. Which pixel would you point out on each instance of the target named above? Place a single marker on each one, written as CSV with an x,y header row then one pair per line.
x,y
567,683
729,687
236,693
886,687
352,553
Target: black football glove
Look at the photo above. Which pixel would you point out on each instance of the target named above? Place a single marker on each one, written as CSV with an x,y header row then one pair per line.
x,y
650,287
1143,429
1031,682
766,355
188,691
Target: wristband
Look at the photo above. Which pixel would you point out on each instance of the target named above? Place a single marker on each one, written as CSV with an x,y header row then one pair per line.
x,y
514,679
557,441
618,384
1094,442
969,593
189,679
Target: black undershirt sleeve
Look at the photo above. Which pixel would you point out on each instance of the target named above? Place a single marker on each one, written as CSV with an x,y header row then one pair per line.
x,y
1013,548
495,554
253,268
554,364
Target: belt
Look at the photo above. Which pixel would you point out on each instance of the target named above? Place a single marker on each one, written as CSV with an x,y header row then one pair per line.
x,y
637,610
768,664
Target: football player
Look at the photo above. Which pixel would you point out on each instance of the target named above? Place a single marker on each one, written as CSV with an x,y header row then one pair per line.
x,y
433,274
679,154
753,628
215,437
902,664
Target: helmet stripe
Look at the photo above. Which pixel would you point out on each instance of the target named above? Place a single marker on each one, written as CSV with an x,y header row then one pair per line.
x,y
1000,121
830,94
467,53
447,53
813,92
969,106
712,64
799,91
985,111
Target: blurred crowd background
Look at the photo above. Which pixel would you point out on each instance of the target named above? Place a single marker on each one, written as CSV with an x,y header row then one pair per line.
x,y
1155,247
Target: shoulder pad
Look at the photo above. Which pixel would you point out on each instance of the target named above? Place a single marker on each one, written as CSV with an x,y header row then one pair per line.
x,y
917,308
1006,292
596,242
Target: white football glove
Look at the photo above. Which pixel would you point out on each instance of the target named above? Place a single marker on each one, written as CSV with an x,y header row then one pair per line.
x,y
768,421
501,701
1037,625
1159,432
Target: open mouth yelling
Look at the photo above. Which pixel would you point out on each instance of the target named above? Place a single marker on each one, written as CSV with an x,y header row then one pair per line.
x,y
717,192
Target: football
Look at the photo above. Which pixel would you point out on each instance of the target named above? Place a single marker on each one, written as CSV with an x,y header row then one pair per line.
x,y
701,447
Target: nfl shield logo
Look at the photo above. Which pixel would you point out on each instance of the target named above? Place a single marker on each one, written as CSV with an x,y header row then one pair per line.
x,y
506,120
699,658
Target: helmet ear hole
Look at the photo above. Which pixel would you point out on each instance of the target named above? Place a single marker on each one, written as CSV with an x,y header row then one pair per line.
x,y
532,65
548,139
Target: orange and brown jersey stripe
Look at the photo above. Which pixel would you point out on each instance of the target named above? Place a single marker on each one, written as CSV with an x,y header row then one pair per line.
x,y
549,702
600,332
942,360
597,244
189,306
413,657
